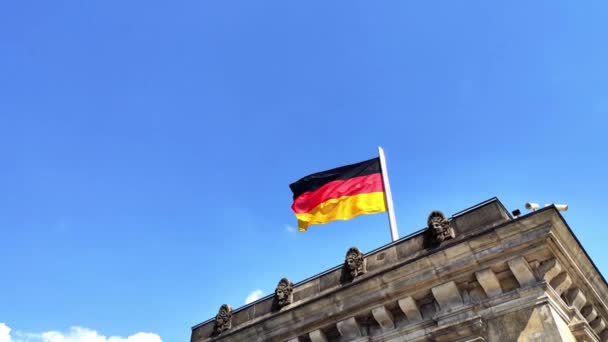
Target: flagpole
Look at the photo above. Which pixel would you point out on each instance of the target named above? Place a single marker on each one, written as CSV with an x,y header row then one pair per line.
x,y
388,197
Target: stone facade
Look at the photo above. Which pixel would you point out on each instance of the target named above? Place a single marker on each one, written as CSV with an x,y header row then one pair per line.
x,y
491,278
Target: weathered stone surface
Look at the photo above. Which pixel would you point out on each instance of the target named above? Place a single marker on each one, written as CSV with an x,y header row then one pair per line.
x,y
384,318
410,248
522,271
381,259
576,298
296,339
549,269
534,323
329,281
581,331
598,325
465,329
263,307
589,313
489,282
317,336
604,336
309,289
476,293
489,215
447,295
203,332
561,283
241,316
349,329
410,309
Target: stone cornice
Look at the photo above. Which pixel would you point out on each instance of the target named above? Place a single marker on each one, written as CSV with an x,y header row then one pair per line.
x,y
584,273
476,272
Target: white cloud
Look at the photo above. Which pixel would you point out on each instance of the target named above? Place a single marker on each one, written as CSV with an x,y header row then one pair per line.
x,y
75,334
79,334
253,296
290,228
5,333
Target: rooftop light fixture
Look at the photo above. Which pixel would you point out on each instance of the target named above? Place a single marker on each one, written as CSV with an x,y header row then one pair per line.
x,y
532,206
560,207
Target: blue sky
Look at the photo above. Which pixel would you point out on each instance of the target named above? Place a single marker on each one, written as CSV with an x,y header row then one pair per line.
x,y
147,147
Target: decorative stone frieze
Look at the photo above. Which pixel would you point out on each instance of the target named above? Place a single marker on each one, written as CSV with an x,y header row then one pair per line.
x,y
223,320
354,262
284,293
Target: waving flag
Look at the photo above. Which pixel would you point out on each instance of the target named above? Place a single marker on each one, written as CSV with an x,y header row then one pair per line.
x,y
339,194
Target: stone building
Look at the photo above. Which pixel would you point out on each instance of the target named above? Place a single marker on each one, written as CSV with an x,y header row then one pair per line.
x,y
480,275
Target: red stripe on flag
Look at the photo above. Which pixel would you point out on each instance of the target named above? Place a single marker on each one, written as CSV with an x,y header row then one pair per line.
x,y
336,189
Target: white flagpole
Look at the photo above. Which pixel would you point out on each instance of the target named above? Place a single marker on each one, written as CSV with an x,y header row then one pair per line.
x,y
388,197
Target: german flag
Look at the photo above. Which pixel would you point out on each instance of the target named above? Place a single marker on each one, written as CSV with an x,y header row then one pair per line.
x,y
339,194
